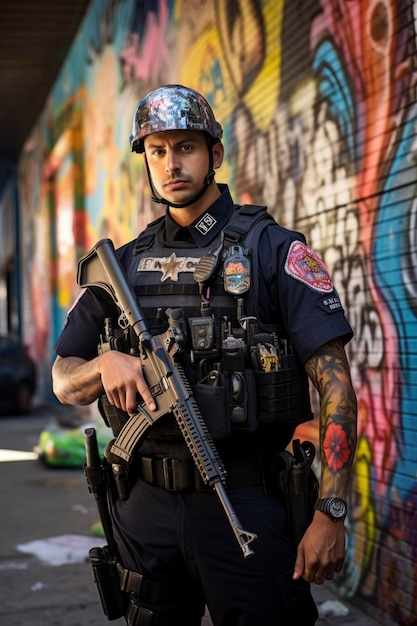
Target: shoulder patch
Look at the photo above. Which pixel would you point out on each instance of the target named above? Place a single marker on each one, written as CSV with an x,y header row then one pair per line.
x,y
306,266
82,292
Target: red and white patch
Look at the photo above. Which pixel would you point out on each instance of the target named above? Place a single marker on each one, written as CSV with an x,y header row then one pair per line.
x,y
304,265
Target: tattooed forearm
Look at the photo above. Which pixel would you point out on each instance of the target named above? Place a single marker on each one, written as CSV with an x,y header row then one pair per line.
x,y
329,371
76,381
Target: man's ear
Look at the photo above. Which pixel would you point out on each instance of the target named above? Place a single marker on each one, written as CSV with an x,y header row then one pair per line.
x,y
218,154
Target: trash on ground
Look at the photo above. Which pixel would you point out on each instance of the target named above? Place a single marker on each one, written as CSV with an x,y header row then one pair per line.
x,y
332,608
38,586
61,550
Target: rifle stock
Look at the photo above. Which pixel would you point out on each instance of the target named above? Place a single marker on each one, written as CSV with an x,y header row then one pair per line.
x,y
165,378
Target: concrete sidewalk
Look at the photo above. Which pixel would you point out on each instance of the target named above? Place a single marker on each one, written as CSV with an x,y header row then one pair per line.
x,y
339,611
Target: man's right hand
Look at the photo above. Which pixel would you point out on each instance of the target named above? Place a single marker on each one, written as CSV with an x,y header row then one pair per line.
x,y
119,375
122,380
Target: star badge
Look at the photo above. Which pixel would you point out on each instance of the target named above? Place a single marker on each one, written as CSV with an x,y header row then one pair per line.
x,y
171,267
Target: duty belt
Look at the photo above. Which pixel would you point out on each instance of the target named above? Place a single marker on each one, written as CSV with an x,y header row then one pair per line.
x,y
133,582
176,475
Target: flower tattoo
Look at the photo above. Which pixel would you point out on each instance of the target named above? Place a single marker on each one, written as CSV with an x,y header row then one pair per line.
x,y
336,447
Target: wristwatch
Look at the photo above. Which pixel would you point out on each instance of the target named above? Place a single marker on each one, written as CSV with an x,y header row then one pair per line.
x,y
335,508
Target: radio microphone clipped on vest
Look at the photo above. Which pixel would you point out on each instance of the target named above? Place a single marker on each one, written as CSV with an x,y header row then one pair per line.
x,y
207,265
204,270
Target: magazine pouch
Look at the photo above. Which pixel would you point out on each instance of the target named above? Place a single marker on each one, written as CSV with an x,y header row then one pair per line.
x,y
106,577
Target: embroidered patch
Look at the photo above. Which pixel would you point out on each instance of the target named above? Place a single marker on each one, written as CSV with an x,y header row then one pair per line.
x,y
169,266
304,265
331,304
206,223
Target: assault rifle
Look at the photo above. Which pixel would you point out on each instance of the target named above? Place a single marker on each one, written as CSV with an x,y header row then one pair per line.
x,y
165,378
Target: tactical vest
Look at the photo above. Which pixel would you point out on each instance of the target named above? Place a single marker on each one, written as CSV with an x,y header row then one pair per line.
x,y
241,371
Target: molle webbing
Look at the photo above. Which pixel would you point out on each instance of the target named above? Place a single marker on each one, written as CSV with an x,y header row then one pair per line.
x,y
168,289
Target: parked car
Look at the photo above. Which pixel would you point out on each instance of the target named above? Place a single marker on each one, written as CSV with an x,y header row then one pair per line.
x,y
18,376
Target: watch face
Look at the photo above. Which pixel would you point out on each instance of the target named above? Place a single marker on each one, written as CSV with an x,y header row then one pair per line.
x,y
337,508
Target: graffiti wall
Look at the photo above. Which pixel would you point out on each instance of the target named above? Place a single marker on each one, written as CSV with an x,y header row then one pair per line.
x,y
318,103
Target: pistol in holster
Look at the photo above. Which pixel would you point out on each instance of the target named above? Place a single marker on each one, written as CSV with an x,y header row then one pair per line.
x,y
297,485
106,576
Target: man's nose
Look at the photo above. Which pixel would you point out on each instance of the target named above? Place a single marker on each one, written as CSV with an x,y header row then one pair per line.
x,y
172,162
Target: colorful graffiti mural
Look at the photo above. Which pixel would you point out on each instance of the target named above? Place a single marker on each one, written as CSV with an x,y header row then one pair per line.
x,y
318,103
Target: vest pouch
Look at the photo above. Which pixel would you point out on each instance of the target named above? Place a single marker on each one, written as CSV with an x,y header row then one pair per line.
x,y
283,396
243,402
212,397
113,417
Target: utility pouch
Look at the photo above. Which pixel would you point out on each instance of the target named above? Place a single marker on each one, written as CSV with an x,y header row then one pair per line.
x,y
227,403
243,402
283,395
212,396
104,565
297,485
119,475
113,417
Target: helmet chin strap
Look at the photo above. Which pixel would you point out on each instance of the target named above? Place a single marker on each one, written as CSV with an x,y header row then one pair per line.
x,y
207,182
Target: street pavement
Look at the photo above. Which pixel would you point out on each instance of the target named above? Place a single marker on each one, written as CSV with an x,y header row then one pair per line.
x,y
46,519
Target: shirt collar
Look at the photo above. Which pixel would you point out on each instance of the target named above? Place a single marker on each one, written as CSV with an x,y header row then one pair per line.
x,y
205,228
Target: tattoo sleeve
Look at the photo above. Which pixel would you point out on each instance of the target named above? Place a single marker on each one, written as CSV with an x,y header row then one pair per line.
x,y
329,371
75,381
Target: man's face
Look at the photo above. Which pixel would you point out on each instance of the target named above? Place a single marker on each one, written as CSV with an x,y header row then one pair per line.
x,y
178,161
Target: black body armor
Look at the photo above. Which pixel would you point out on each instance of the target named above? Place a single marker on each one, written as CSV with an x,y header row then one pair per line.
x,y
241,372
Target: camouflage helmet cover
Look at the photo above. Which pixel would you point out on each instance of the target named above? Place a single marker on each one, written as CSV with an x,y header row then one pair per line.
x,y
172,107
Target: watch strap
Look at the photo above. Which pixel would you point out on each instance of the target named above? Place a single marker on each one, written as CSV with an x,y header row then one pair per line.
x,y
325,505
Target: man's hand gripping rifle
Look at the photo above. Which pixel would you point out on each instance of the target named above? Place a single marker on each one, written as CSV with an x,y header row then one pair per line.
x,y
166,380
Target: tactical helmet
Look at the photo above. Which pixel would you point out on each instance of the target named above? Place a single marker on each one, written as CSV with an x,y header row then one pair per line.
x,y
172,107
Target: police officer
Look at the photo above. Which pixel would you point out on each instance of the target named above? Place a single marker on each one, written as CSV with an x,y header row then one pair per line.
x,y
257,316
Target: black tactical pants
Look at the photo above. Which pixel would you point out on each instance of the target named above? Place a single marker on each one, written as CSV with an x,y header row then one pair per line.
x,y
184,541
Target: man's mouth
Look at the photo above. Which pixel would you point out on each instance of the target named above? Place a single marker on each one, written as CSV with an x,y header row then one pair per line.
x,y
177,183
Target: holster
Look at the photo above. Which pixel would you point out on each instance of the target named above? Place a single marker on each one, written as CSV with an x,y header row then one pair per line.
x,y
106,577
297,485
121,590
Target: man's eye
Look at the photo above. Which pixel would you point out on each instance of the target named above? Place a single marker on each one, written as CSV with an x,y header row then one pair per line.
x,y
186,148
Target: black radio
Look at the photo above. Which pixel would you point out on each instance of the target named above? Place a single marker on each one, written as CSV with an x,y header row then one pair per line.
x,y
203,336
